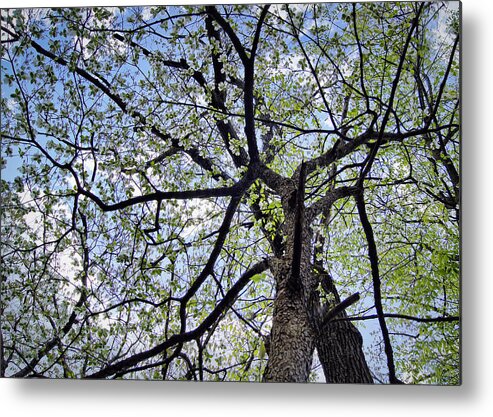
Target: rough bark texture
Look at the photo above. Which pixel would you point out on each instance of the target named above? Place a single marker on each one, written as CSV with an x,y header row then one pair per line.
x,y
292,339
297,318
340,352
340,347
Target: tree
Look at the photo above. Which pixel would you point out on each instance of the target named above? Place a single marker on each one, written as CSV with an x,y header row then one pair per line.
x,y
232,193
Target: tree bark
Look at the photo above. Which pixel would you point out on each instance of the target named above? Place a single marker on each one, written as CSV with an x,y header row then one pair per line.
x,y
298,316
292,339
340,352
340,347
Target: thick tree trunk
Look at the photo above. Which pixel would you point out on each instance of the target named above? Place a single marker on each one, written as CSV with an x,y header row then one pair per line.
x,y
292,339
340,352
296,332
297,317
340,347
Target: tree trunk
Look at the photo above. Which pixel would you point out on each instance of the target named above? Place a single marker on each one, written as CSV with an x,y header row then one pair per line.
x,y
340,347
340,352
296,331
297,317
292,339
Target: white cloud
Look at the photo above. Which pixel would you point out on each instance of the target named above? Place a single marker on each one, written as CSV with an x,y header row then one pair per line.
x,y
112,45
442,31
63,262
195,215
146,13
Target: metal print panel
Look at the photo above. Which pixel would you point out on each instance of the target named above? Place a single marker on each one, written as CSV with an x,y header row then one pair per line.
x,y
264,193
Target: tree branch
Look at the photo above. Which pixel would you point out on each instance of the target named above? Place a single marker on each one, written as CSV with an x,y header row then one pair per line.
x,y
209,266
222,306
377,292
373,153
447,319
234,190
343,305
294,283
102,84
212,11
